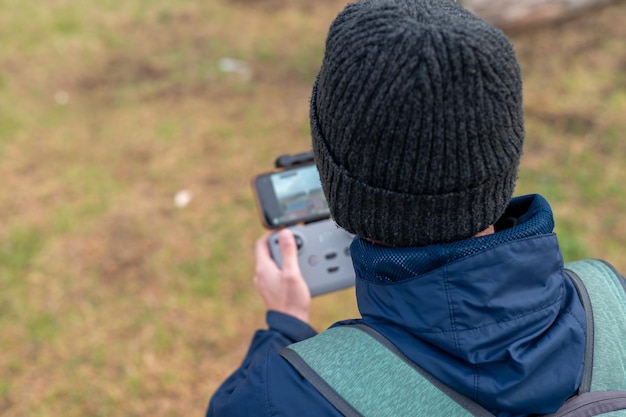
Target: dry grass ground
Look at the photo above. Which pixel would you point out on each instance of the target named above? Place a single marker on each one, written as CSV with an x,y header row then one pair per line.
x,y
113,301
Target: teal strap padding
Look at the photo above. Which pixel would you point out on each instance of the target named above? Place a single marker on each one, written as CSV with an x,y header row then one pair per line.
x,y
607,294
371,375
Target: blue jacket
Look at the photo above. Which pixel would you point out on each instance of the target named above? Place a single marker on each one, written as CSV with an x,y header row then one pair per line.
x,y
493,317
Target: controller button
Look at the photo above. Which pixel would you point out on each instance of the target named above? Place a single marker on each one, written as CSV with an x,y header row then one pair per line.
x,y
333,269
313,260
299,241
331,255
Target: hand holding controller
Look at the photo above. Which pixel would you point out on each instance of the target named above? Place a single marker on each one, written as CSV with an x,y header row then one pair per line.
x,y
323,255
283,290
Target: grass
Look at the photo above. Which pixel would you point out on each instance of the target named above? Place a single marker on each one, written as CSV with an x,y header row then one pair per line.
x,y
113,301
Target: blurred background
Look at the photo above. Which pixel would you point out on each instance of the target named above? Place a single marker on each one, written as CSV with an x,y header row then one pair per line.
x,y
129,132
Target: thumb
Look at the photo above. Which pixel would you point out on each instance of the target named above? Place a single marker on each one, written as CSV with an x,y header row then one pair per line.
x,y
288,250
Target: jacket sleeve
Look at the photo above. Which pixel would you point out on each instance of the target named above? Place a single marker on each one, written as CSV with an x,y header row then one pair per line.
x,y
244,392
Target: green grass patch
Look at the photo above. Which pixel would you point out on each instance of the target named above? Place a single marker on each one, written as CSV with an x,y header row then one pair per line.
x,y
18,250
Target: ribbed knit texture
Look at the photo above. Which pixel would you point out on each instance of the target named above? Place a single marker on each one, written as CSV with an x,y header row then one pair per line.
x,y
417,121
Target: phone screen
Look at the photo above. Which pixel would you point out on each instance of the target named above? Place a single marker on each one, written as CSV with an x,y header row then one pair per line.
x,y
291,196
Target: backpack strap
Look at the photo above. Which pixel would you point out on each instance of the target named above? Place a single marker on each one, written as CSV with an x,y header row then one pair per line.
x,y
603,293
363,374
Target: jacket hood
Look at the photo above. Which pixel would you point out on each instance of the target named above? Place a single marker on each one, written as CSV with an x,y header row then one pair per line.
x,y
493,317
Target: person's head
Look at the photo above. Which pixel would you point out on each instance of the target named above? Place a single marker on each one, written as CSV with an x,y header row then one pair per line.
x,y
416,121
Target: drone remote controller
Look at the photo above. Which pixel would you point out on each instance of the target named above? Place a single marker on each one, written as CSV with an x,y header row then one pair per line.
x,y
323,255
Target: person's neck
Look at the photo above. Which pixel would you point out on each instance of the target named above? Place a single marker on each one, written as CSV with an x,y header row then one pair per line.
x,y
488,231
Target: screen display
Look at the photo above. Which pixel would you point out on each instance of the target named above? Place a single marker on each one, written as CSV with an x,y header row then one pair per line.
x,y
299,195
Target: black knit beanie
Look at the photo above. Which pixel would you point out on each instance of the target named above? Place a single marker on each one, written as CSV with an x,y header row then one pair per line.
x,y
417,121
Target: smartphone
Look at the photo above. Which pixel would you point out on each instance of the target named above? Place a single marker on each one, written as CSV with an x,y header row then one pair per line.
x,y
291,196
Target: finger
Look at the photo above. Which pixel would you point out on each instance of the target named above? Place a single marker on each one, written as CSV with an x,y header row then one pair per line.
x,y
288,251
262,248
262,253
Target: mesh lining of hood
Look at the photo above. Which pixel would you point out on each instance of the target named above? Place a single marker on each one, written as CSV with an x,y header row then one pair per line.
x,y
531,216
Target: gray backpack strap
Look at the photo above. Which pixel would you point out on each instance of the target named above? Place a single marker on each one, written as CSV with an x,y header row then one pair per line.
x,y
602,391
606,292
363,374
589,404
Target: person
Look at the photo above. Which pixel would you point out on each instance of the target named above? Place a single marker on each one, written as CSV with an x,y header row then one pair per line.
x,y
417,130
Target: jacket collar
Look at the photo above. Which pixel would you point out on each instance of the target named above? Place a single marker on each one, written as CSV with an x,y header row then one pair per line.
x,y
531,215
479,306
437,290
